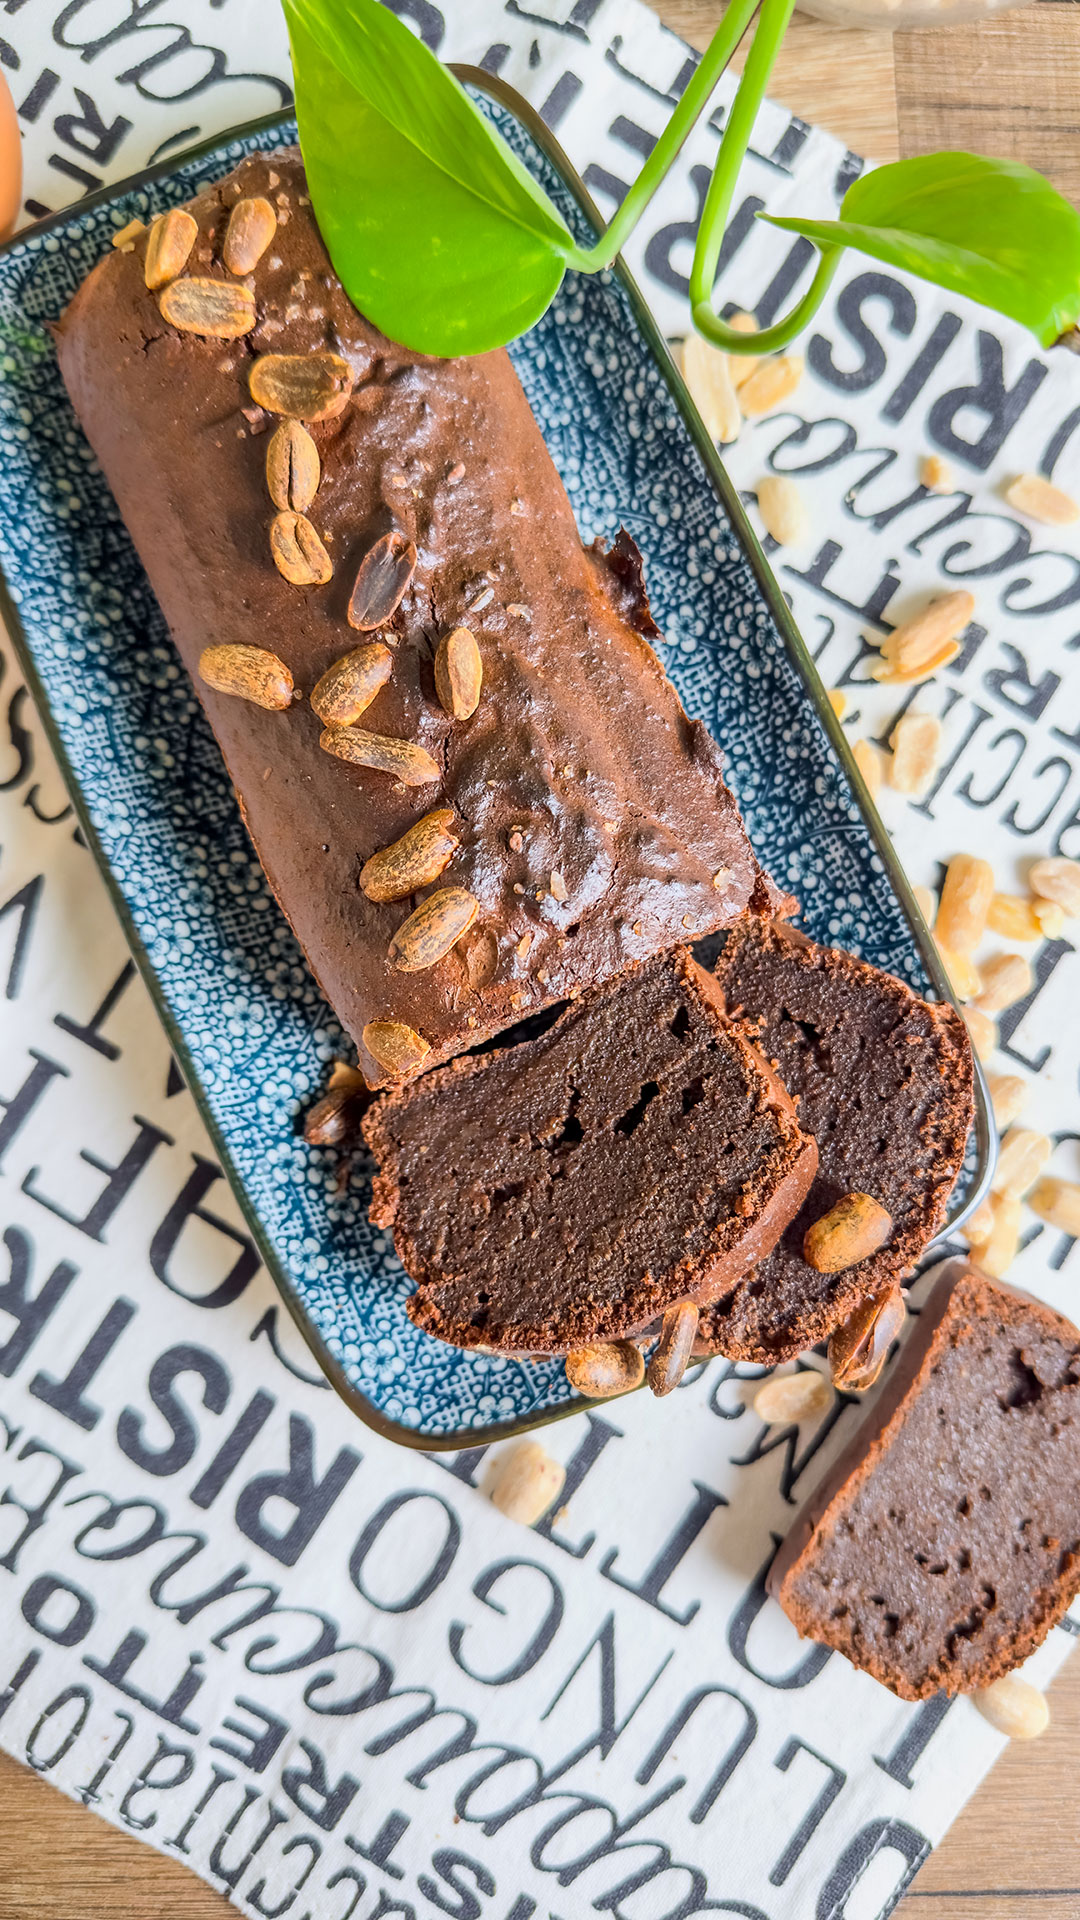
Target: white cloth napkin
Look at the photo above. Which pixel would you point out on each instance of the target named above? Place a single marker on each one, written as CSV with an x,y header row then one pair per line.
x,y
326,1672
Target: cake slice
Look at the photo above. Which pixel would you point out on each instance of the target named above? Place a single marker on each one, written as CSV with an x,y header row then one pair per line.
x,y
572,1188
883,1081
945,1542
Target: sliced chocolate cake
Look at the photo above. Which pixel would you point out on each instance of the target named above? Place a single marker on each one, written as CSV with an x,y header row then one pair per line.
x,y
573,1188
883,1081
945,1542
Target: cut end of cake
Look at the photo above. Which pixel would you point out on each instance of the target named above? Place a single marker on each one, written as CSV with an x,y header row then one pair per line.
x,y
945,1542
884,1083
575,1187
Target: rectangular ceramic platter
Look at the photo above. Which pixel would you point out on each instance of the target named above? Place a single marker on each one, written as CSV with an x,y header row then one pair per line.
x,y
250,1029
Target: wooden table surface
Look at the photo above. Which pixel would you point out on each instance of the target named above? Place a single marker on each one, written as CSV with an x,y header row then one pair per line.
x,y
1008,87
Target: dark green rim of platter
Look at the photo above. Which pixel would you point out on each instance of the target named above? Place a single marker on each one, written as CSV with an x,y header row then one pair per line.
x,y
985,1130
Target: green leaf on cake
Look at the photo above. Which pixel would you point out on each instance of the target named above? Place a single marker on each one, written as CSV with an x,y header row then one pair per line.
x,y
992,230
438,233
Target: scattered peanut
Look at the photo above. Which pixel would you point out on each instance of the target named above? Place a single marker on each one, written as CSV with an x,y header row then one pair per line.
x,y
918,641
708,378
1006,978
916,745
771,383
1022,1158
871,764
1051,918
851,1231
334,1118
168,248
899,676
1014,1707
1058,880
964,976
838,701
983,1031
981,1224
742,365
600,1371
997,1252
526,1483
1058,1203
1014,916
1008,1097
926,901
965,903
790,1397
783,510
1040,500
125,237
936,474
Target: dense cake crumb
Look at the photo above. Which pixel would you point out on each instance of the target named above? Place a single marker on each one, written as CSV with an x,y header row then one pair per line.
x,y
883,1081
945,1543
574,1187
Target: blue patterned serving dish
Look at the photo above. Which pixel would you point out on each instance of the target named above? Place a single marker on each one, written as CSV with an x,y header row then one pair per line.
x,y
246,1019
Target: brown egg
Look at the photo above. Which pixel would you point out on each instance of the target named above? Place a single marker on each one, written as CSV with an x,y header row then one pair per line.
x,y
10,162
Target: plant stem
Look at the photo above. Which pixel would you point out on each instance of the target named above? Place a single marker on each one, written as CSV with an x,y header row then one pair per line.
x,y
771,28
689,110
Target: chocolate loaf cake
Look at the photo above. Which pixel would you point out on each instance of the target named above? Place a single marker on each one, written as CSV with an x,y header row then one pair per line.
x,y
945,1542
573,1188
883,1081
306,496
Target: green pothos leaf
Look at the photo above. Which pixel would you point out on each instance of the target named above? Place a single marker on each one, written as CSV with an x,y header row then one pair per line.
x,y
992,230
437,232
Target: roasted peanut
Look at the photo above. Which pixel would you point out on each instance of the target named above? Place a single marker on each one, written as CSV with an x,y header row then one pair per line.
x,y
297,552
997,1252
168,247
1006,978
1058,1203
851,1231
423,852
334,1118
707,373
293,467
771,383
678,1330
252,226
788,1398
398,1049
982,1030
304,386
428,934
251,673
838,701
382,577
1024,1153
1058,880
917,642
742,365
783,510
1051,918
871,764
916,750
1039,499
1012,915
859,1349
1013,1707
459,673
1008,1097
964,976
526,1483
218,309
965,903
602,1370
936,474
347,689
410,764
